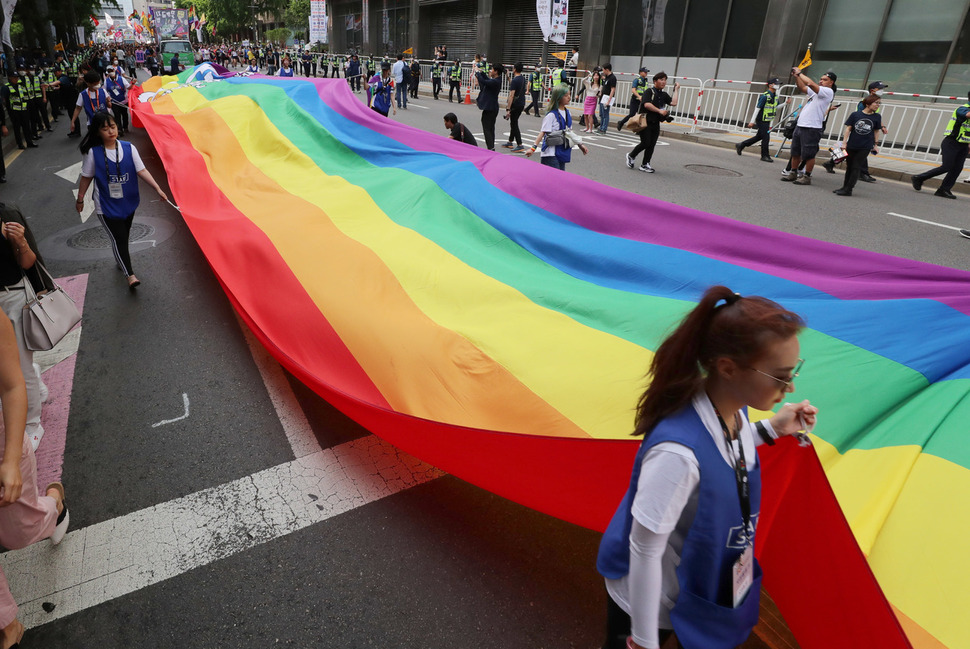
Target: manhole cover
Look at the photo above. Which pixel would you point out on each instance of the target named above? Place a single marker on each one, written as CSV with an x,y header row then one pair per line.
x,y
711,170
97,238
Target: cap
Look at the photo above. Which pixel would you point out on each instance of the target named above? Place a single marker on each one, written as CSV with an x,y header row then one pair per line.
x,y
385,65
831,75
645,70
774,80
878,85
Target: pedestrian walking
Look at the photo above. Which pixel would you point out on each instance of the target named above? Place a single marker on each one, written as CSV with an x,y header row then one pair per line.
x,y
555,134
380,88
655,106
93,100
607,97
953,148
354,73
19,257
593,87
454,80
458,130
114,166
859,138
489,87
639,84
513,108
117,90
681,543
808,132
875,89
764,114
400,78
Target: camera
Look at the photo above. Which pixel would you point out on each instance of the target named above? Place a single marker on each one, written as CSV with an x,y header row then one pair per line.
x,y
667,118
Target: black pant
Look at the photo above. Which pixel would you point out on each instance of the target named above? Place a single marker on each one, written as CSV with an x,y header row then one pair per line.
x,y
488,128
20,121
634,109
120,230
760,136
435,86
618,625
954,155
121,117
55,102
454,87
335,72
37,110
648,140
413,88
313,66
854,167
535,102
514,132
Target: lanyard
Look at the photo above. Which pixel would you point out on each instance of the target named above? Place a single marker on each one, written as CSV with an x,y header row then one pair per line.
x,y
740,472
96,101
104,150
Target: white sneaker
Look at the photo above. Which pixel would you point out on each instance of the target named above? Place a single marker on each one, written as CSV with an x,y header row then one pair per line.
x,y
646,168
630,162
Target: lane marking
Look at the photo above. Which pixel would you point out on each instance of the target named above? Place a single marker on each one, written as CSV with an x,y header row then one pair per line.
x,y
70,174
185,402
913,218
107,560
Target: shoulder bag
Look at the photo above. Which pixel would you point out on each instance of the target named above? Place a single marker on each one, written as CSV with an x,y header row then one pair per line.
x,y
47,318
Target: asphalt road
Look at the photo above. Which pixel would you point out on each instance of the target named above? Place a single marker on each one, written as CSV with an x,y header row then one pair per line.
x,y
433,563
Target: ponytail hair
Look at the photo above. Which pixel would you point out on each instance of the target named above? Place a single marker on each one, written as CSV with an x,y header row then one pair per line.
x,y
722,324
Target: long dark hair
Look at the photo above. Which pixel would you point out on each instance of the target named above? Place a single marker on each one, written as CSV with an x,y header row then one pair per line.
x,y
722,324
92,138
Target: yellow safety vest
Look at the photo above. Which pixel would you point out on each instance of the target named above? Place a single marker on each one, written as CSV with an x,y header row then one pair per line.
x,y
963,135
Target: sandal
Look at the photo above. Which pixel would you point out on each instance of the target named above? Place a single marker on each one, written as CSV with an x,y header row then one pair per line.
x,y
20,638
133,282
63,519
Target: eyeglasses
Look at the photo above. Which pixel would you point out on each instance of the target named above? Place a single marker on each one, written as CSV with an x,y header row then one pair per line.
x,y
791,377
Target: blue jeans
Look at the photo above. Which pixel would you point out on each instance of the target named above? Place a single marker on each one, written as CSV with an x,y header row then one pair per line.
x,y
553,161
604,117
401,94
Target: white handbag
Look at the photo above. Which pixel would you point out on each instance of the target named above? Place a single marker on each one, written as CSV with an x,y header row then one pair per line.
x,y
47,318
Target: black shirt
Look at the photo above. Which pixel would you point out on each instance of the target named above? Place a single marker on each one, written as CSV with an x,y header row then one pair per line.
x,y
658,98
863,133
462,133
488,97
609,83
517,86
9,268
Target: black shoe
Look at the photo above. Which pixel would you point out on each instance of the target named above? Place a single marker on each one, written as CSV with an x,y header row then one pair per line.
x,y
38,137
50,130
842,191
829,166
767,158
917,183
739,148
866,178
3,179
965,234
31,145
945,193
619,126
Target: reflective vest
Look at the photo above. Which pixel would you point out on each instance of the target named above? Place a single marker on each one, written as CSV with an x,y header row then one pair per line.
x,y
640,84
33,86
771,102
536,81
558,76
435,70
71,68
456,73
484,67
17,97
963,134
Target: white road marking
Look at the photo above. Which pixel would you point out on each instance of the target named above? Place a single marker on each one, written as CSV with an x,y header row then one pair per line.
x,y
185,402
70,174
151,241
913,218
88,208
101,562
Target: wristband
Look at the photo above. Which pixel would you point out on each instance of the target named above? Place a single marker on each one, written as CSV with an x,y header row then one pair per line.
x,y
763,433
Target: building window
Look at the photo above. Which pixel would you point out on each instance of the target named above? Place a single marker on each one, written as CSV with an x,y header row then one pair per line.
x,y
850,29
956,82
649,28
745,25
704,29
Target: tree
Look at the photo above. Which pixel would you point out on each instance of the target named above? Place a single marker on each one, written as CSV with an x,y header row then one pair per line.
x,y
297,14
233,16
279,35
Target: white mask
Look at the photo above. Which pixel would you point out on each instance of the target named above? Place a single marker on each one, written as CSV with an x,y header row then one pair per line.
x,y
879,93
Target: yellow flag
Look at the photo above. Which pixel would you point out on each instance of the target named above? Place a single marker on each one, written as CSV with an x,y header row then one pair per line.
x,y
560,55
59,47
807,61
409,50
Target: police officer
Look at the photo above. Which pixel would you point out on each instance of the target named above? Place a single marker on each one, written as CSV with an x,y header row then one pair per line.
x,y
37,104
559,74
535,89
636,91
15,97
49,77
764,113
436,78
454,80
956,140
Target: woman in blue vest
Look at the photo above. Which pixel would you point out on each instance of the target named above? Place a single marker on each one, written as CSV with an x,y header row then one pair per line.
x,y
115,167
286,67
556,134
678,555
117,90
92,100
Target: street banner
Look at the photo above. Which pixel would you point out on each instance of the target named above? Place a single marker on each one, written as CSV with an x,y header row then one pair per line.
x,y
553,17
172,23
8,7
318,21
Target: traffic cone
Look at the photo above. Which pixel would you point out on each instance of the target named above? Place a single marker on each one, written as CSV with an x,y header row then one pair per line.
x,y
468,94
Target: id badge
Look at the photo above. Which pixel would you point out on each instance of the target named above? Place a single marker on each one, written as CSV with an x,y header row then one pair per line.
x,y
116,190
743,575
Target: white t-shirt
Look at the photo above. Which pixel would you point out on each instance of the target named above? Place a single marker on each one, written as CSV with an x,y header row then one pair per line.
x,y
813,112
550,124
118,154
93,96
667,497
397,71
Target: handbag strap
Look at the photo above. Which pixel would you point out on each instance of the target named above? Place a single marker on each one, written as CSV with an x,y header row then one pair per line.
x,y
29,287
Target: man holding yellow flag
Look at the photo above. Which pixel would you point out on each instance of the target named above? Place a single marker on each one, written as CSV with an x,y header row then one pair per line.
x,y
808,132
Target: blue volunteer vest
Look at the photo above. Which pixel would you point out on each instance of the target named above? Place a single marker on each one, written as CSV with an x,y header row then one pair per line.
x,y
703,617
116,90
563,153
91,107
382,95
116,208
286,73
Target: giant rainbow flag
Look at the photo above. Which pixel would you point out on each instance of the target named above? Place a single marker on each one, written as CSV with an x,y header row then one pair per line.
x,y
487,315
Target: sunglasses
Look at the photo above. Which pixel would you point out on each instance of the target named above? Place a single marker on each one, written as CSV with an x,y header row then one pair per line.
x,y
791,377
